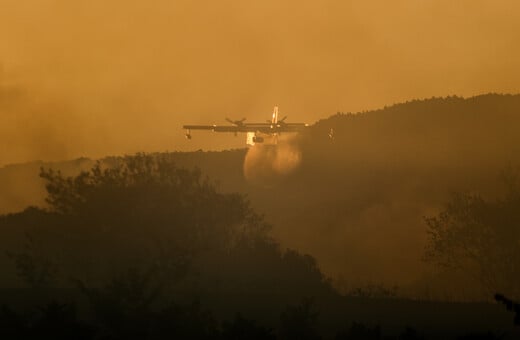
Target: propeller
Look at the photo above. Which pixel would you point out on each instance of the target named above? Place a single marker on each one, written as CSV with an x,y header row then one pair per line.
x,y
281,122
236,122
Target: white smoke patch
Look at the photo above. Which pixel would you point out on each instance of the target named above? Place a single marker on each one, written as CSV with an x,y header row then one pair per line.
x,y
266,163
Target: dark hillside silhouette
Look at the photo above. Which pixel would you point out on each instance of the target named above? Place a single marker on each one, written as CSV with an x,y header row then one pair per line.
x,y
131,237
359,199
146,215
132,245
141,213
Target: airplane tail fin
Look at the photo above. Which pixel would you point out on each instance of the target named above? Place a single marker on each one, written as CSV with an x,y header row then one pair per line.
x,y
275,115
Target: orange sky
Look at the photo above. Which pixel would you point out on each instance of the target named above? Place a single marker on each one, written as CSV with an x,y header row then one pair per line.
x,y
97,77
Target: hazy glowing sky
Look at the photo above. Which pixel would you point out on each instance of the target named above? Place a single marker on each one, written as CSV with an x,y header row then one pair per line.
x,y
98,77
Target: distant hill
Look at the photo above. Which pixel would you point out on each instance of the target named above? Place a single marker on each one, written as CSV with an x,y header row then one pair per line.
x,y
357,201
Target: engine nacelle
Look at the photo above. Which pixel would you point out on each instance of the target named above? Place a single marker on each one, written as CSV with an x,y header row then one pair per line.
x,y
258,139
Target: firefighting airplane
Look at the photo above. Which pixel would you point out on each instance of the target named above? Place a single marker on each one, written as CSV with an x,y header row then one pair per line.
x,y
256,132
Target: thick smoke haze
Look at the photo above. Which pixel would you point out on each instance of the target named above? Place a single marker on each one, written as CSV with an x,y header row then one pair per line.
x,y
91,78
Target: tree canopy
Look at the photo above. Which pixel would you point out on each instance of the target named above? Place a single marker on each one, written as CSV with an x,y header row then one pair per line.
x,y
482,237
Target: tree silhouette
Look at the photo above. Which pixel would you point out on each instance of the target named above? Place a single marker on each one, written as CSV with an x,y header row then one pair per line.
x,y
481,237
141,213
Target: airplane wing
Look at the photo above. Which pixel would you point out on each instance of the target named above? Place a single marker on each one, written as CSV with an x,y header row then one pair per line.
x,y
199,127
273,127
253,127
217,128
